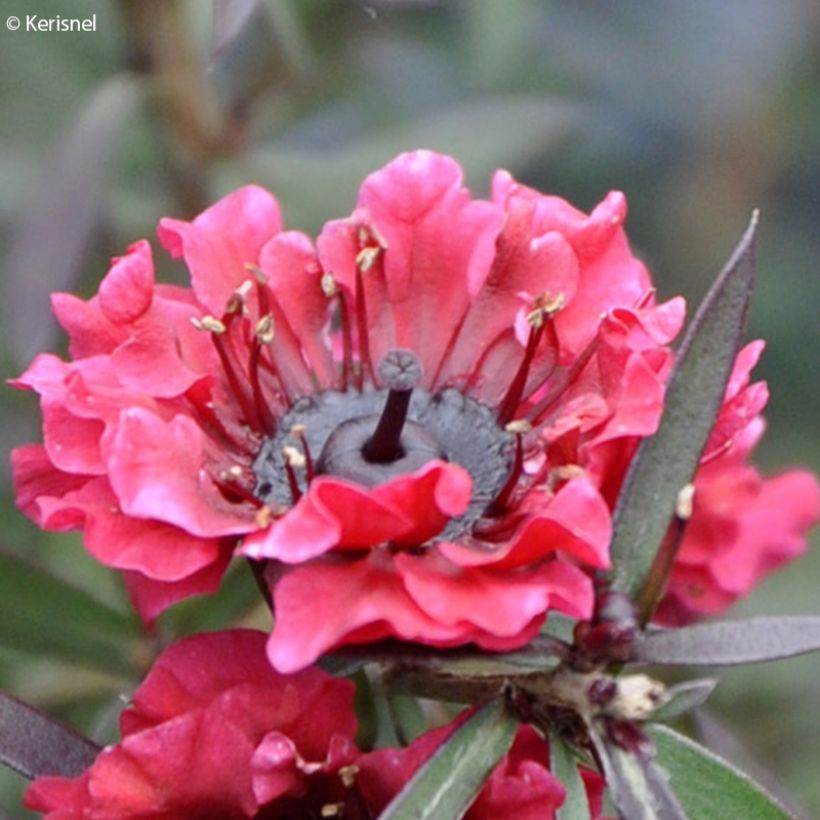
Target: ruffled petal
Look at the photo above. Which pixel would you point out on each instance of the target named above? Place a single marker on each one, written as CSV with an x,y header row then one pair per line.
x,y
221,241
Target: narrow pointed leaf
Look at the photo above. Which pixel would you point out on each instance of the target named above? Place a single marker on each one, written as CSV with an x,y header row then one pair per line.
x,y
445,786
564,766
707,786
34,744
728,643
639,788
666,462
66,622
684,697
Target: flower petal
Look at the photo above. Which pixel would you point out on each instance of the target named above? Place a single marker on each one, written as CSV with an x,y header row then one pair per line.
x,y
221,241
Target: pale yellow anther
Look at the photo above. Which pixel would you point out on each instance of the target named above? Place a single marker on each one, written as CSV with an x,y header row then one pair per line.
x,y
366,257
347,774
328,284
294,458
233,473
209,323
545,305
235,305
264,329
683,504
519,426
332,809
298,430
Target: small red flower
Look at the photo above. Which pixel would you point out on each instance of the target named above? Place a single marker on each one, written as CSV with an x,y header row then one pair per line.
x,y
743,527
421,426
213,731
520,786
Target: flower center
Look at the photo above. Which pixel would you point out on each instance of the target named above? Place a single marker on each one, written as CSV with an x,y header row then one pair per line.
x,y
373,435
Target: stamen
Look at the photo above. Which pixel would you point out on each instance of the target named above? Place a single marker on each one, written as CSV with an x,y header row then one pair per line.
x,y
293,458
570,376
262,407
229,482
245,404
399,371
200,399
501,502
347,341
510,402
298,431
361,328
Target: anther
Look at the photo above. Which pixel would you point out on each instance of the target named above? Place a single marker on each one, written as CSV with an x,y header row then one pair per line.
x,y
400,372
328,285
210,324
264,329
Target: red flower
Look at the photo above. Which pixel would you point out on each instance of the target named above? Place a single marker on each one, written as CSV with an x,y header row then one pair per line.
x,y
213,731
511,347
743,527
520,786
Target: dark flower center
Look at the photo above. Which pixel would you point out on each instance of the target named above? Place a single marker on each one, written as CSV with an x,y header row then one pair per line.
x,y
376,434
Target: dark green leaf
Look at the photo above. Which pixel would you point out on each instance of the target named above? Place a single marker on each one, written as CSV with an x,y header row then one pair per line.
x,y
684,697
34,744
728,643
445,786
707,786
236,597
41,614
666,462
49,246
565,767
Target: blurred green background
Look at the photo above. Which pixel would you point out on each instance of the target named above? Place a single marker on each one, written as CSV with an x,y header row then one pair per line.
x,y
698,110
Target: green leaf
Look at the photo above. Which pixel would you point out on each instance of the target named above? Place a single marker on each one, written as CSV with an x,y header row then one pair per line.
x,y
445,786
34,744
237,596
666,462
639,788
42,614
565,767
683,697
707,786
728,643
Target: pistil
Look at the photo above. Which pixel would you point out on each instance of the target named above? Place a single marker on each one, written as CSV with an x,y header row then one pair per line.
x,y
400,372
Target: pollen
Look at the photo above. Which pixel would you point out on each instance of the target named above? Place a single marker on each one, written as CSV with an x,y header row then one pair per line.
x,y
347,775
210,324
264,330
366,257
294,457
328,285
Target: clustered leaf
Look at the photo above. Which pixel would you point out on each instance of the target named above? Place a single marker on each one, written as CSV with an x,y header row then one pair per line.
x,y
666,461
448,782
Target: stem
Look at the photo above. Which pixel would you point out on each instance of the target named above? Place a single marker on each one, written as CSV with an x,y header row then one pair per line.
x,y
159,47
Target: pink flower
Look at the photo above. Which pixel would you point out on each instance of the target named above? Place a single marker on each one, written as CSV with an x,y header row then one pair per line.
x,y
213,731
512,348
743,527
520,786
